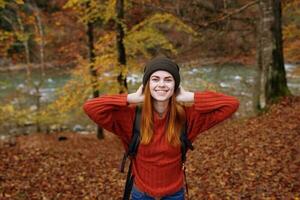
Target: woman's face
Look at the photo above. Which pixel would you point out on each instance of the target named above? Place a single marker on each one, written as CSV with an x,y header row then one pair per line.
x,y
161,85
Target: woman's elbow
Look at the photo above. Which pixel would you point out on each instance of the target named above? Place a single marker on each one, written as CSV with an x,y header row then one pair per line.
x,y
89,109
85,107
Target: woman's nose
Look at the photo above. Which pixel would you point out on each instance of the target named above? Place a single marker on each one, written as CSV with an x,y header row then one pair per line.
x,y
161,83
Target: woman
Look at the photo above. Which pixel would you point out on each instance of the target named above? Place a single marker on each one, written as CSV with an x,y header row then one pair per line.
x,y
157,166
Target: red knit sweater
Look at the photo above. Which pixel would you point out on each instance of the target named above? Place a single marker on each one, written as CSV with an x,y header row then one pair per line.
x,y
157,166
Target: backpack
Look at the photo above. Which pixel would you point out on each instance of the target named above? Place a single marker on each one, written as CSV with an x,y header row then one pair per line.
x,y
133,148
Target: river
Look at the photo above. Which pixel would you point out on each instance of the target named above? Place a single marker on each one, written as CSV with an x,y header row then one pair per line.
x,y
236,80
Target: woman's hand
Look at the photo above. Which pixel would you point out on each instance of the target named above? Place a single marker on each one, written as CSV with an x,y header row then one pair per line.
x,y
184,96
136,97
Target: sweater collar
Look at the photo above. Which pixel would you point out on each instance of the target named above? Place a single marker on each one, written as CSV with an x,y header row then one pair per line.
x,y
163,116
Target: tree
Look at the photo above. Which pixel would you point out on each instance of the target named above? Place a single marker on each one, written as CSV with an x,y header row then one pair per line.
x,y
26,23
120,45
226,28
40,39
88,15
271,80
93,71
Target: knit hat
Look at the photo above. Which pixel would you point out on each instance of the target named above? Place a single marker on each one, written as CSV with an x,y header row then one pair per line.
x,y
162,63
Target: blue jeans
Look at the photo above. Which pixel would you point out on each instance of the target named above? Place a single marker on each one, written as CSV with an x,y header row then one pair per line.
x,y
138,195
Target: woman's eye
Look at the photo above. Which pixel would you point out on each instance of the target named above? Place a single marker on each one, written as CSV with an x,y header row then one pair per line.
x,y
168,80
154,79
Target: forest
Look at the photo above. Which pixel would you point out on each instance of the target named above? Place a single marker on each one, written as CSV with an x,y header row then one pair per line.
x,y
55,55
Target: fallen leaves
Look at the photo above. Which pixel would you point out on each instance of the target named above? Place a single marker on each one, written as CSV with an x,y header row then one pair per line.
x,y
257,158
40,167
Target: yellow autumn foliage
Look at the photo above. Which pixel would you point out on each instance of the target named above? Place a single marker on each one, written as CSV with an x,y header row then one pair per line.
x,y
4,2
91,10
6,40
11,114
139,41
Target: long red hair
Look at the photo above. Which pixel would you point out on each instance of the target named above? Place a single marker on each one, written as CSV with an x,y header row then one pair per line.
x,y
176,119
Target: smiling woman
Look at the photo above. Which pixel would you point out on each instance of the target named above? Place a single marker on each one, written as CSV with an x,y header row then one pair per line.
x,y
157,170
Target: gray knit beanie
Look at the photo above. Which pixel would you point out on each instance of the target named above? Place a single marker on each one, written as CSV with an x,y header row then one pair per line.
x,y
162,63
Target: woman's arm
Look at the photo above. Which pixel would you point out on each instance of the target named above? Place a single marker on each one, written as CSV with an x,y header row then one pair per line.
x,y
208,109
112,113
136,97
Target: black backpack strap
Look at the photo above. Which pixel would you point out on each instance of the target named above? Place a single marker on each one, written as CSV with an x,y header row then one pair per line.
x,y
135,139
132,150
185,145
128,184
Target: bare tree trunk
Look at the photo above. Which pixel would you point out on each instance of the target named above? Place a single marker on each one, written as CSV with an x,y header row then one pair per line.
x,y
39,84
42,39
26,47
279,83
271,80
120,46
25,44
93,72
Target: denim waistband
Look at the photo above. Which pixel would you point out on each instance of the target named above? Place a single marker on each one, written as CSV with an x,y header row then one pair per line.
x,y
155,197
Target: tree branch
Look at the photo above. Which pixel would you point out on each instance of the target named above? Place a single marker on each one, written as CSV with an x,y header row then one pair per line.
x,y
228,15
205,24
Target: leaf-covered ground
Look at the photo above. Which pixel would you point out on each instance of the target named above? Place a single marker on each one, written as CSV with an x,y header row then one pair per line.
x,y
257,158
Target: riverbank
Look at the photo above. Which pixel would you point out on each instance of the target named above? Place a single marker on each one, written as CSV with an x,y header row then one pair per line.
x,y
184,60
256,158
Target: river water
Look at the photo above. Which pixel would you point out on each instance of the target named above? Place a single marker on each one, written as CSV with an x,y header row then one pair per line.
x,y
236,80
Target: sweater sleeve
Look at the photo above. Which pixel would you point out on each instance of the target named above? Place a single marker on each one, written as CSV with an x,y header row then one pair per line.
x,y
209,109
113,114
